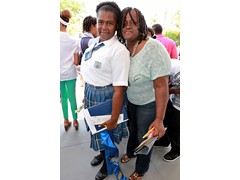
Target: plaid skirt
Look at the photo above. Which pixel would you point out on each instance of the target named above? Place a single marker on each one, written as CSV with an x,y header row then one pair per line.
x,y
94,95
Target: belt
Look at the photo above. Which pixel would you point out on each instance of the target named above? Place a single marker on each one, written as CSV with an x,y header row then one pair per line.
x,y
98,87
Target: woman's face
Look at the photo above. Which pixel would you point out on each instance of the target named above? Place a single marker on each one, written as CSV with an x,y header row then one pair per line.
x,y
130,29
106,24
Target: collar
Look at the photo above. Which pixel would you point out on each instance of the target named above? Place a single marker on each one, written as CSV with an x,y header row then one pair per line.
x,y
88,34
107,42
159,35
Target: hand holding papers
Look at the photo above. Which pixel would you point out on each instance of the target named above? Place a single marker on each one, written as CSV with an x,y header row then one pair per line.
x,y
150,132
100,113
147,144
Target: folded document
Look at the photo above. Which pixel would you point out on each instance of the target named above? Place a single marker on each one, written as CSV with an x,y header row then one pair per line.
x,y
145,146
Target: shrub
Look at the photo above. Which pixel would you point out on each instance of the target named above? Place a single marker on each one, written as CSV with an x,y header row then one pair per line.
x,y
174,35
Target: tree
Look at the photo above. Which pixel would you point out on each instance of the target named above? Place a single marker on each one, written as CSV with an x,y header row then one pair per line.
x,y
77,8
172,31
176,20
175,34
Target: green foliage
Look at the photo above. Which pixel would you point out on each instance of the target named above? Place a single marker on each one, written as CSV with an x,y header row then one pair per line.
x,y
174,35
176,19
154,20
171,31
77,8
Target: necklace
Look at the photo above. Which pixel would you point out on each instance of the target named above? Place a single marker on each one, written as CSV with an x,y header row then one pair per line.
x,y
134,49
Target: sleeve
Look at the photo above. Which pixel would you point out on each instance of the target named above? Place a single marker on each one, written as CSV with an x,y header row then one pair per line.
x,y
120,67
175,73
160,61
76,44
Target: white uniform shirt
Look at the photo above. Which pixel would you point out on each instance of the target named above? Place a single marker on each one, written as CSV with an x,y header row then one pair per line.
x,y
174,78
68,46
108,65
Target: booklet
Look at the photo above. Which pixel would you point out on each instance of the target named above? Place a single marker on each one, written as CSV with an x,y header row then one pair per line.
x,y
100,113
145,146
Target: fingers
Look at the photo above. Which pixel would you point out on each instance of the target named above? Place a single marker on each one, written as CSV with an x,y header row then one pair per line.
x,y
108,125
102,125
160,134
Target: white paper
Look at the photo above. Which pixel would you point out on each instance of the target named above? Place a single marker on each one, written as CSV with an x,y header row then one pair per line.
x,y
95,120
146,146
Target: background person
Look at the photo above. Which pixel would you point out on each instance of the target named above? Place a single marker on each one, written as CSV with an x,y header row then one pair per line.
x,y
151,33
172,116
169,44
89,32
69,50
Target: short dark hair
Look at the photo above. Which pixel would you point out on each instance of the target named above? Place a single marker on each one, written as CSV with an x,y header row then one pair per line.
x,y
112,7
143,33
87,22
157,28
150,30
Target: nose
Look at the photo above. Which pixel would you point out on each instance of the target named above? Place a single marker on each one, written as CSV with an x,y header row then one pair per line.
x,y
104,26
129,24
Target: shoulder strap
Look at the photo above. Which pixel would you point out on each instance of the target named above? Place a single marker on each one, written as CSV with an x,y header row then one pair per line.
x,y
84,46
84,43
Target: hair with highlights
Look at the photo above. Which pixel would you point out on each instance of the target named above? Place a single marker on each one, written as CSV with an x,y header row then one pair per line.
x,y
143,33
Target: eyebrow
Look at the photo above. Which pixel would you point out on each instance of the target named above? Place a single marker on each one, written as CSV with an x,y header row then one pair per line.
x,y
106,21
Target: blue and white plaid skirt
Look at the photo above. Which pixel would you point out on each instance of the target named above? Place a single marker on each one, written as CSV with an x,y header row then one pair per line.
x,y
94,95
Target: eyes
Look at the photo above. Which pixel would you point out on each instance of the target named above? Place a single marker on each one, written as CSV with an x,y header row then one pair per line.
x,y
108,23
130,23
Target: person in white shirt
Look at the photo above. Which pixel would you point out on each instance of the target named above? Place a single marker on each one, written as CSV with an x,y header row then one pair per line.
x,y
89,33
172,116
104,68
69,50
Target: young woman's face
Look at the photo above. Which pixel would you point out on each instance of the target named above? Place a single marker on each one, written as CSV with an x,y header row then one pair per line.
x,y
130,29
106,24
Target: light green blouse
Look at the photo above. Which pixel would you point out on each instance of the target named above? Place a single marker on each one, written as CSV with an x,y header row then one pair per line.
x,y
151,62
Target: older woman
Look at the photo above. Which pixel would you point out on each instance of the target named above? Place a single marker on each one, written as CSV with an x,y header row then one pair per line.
x,y
147,92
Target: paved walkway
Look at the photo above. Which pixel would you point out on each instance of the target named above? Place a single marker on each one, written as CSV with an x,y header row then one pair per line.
x,y
75,155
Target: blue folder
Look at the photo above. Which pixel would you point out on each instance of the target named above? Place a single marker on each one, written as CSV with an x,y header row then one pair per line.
x,y
105,108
